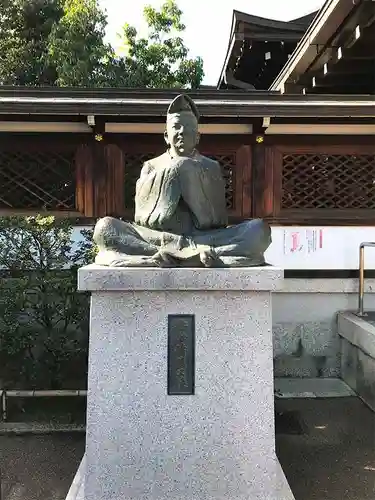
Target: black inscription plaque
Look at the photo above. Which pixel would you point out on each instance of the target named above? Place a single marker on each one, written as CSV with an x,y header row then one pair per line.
x,y
181,354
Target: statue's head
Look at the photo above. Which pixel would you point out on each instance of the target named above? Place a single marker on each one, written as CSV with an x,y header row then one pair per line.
x,y
181,133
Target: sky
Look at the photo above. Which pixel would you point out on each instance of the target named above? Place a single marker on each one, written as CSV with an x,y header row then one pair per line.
x,y
208,23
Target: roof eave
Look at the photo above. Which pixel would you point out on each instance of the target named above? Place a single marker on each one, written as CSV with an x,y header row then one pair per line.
x,y
245,104
267,23
250,20
229,51
305,52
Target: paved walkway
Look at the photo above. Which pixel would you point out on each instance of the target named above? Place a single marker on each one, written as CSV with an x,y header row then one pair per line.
x,y
39,467
334,460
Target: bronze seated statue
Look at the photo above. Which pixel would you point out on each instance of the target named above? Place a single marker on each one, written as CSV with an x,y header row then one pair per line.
x,y
180,210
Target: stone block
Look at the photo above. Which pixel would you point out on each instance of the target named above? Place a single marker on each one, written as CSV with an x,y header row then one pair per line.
x,y
366,378
286,339
318,338
292,366
312,388
94,278
349,363
358,355
332,365
217,443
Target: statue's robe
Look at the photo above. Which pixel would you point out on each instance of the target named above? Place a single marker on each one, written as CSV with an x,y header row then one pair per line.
x,y
180,209
181,195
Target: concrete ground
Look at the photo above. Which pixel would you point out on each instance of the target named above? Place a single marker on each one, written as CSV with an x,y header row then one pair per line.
x,y
332,457
39,467
335,459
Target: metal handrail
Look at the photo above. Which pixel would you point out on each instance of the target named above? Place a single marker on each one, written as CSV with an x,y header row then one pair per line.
x,y
361,290
4,394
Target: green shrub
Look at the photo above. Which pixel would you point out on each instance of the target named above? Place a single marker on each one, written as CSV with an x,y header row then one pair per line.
x,y
43,319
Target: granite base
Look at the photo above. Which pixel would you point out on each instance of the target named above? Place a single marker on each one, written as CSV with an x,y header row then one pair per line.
x,y
216,444
77,490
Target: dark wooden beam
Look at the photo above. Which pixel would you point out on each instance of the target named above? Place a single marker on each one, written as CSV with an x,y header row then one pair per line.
x,y
265,176
337,80
225,104
115,180
244,180
84,164
341,90
99,167
356,33
271,37
360,81
231,80
356,67
293,88
356,75
361,50
362,33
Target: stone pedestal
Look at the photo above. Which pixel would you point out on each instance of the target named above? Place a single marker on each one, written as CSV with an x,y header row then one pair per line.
x,y
146,444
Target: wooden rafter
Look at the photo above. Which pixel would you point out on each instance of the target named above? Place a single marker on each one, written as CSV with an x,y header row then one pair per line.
x,y
346,64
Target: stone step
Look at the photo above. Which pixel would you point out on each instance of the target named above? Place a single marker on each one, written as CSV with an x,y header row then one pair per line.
x,y
292,388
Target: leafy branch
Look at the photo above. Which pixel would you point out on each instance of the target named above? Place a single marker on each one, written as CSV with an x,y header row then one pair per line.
x,y
43,319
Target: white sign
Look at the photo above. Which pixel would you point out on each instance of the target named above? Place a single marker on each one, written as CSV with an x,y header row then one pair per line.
x,y
324,247
305,241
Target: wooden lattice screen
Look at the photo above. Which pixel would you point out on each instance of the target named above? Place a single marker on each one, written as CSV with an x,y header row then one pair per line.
x,y
328,181
77,176
37,180
228,164
133,166
134,162
315,184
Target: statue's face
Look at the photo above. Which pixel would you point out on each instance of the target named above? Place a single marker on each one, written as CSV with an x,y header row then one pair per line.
x,y
182,133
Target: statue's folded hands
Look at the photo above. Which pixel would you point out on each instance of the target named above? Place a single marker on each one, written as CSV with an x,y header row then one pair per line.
x,y
180,210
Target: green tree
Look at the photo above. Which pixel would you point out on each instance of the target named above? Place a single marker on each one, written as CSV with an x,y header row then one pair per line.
x,y
61,42
25,26
51,42
43,319
76,47
160,60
